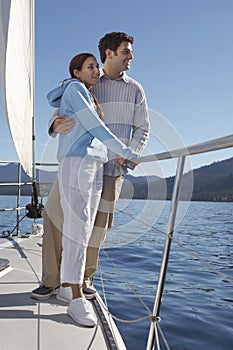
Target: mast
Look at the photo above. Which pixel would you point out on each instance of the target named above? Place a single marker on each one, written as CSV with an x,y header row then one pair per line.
x,y
34,209
33,89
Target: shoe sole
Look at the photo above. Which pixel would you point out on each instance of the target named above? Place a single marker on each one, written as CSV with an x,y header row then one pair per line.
x,y
80,323
90,296
67,301
43,297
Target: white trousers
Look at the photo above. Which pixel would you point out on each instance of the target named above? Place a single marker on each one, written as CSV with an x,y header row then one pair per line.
x,y
80,186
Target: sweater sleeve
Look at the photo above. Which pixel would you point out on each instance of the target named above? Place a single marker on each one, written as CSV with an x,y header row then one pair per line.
x,y
141,125
52,119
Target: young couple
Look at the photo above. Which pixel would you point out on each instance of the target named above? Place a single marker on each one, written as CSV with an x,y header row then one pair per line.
x,y
102,122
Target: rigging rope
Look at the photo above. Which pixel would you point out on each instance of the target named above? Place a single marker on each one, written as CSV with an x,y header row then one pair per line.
x,y
127,282
105,306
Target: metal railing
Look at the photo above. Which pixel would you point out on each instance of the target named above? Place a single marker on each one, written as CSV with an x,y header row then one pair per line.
x,y
18,184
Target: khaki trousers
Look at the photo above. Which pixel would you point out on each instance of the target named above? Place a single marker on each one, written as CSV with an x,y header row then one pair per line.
x,y
53,223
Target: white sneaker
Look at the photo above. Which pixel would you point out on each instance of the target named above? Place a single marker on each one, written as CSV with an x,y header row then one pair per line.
x,y
82,312
64,294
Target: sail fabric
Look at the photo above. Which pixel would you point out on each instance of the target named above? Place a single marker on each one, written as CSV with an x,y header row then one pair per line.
x,y
17,74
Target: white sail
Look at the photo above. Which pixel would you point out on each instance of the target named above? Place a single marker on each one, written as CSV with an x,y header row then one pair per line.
x,y
17,74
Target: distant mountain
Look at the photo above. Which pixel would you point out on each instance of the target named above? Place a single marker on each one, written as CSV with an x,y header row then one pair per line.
x,y
213,182
142,187
9,174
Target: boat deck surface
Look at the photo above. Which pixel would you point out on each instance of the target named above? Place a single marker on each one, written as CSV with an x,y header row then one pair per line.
x,y
29,324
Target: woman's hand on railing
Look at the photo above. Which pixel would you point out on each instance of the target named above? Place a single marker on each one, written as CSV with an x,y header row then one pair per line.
x,y
122,161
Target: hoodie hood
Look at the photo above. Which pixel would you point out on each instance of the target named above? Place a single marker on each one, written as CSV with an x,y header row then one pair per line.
x,y
54,96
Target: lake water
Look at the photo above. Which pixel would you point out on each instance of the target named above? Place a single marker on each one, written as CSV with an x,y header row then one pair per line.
x,y
197,305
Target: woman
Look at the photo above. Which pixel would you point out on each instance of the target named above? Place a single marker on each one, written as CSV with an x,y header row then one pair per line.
x,y
81,154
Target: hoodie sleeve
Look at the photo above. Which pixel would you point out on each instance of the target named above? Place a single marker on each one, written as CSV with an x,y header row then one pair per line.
x,y
84,109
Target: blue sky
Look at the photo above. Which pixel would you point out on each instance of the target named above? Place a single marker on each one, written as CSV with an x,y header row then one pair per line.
x,y
183,57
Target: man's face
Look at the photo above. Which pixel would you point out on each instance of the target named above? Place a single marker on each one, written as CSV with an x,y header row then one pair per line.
x,y
123,56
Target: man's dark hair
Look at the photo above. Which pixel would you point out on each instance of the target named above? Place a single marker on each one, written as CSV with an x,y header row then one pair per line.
x,y
112,41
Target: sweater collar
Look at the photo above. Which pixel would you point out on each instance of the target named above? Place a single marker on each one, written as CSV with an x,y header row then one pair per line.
x,y
123,77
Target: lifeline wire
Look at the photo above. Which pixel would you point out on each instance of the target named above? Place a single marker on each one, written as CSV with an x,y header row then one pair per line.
x,y
228,279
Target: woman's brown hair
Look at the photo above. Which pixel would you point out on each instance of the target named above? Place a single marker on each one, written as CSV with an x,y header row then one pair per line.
x,y
77,63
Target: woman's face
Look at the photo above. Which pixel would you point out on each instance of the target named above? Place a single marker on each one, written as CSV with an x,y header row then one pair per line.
x,y
89,74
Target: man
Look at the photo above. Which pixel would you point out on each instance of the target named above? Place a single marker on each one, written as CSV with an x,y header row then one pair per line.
x,y
126,115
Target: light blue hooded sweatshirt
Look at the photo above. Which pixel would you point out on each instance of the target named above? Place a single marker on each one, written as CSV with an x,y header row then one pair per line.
x,y
89,137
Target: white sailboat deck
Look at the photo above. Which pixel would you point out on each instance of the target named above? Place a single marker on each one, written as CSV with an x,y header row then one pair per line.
x,y
26,323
